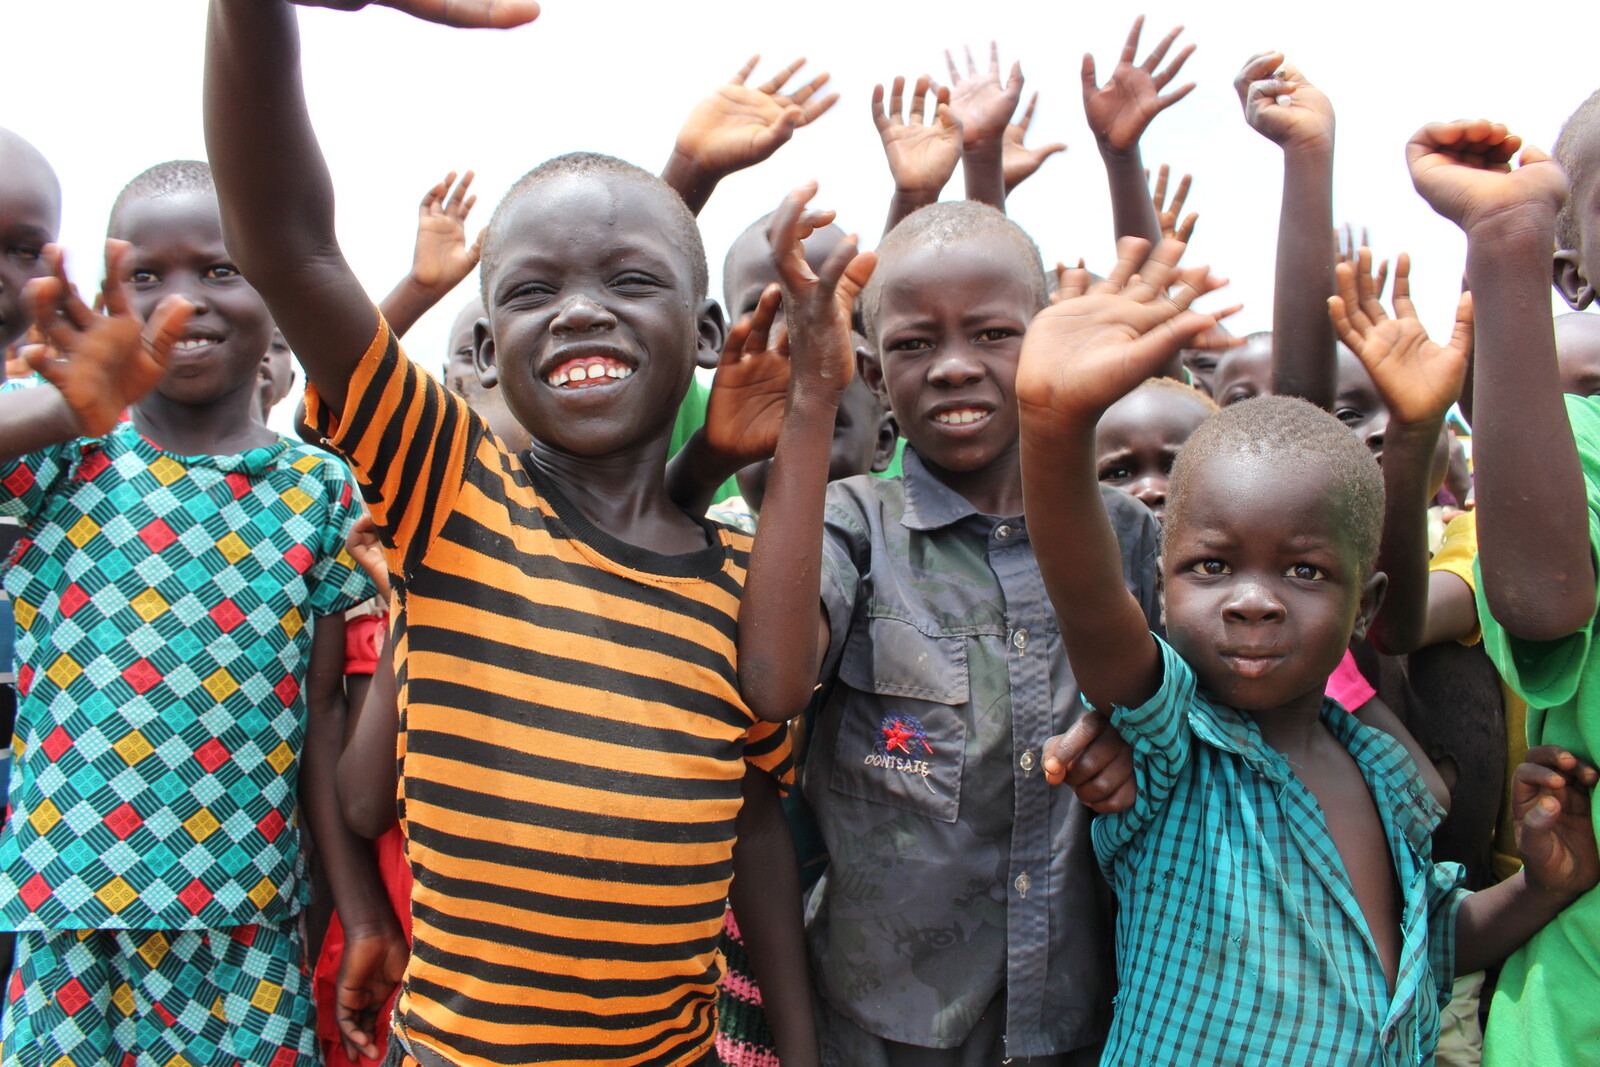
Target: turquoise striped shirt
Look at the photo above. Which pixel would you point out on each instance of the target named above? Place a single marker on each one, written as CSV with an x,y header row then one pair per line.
x,y
1239,937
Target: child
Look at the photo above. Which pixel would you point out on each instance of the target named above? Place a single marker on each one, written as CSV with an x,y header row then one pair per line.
x,y
1245,371
1141,434
960,919
461,374
557,614
1277,901
179,600
1537,536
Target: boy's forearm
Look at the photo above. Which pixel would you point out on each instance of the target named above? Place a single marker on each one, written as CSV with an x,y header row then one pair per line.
x,y
690,180
765,896
695,474
1105,632
1133,214
777,669
1493,923
32,420
366,766
983,172
407,302
274,190
903,204
358,892
1302,333
1403,553
1533,528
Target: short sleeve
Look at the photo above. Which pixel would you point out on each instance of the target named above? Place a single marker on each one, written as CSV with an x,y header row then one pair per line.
x,y
846,548
336,581
408,439
1458,551
1162,740
1546,673
768,747
1446,890
27,481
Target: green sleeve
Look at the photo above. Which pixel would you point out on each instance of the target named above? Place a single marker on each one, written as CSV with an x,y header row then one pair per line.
x,y
692,416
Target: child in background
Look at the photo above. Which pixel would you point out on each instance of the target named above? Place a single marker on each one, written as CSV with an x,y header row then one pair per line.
x,y
960,920
179,598
557,613
1140,435
1245,371
1537,536
1288,841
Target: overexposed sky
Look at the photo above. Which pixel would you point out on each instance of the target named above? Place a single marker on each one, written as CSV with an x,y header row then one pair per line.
x,y
106,88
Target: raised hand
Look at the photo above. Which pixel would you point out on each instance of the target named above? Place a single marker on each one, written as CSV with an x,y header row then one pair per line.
x,y
817,304
1119,111
101,363
1463,170
1348,250
1550,796
981,103
745,411
1018,162
738,126
1281,105
1099,341
1168,214
443,258
922,149
1418,379
469,14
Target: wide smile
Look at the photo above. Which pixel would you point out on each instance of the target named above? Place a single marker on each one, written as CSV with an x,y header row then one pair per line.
x,y
196,346
588,368
961,418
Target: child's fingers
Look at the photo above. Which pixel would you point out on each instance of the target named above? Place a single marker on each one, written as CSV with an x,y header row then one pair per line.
x,y
1131,252
775,83
733,345
919,99
165,328
1181,197
1014,83
832,269
1130,47
950,64
1339,314
1255,68
856,275
1160,195
470,14
1403,308
1153,60
1185,229
1461,333
783,235
972,66
1164,102
437,193
1027,114
946,114
459,193
1171,70
815,109
475,253
1063,750
1165,338
746,70
1091,83
994,58
114,288
1532,154
1157,272
809,89
759,336
880,119
1382,279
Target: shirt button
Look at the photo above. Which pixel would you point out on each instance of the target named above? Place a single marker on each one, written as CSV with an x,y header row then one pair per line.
x,y
1027,760
1020,639
1002,532
1023,884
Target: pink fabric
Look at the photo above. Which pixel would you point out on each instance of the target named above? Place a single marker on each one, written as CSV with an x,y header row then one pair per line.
x,y
1348,686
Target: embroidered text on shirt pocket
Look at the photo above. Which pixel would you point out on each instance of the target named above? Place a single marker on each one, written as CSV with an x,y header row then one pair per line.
x,y
902,730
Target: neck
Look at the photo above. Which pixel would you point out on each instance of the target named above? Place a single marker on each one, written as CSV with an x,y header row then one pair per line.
x,y
624,494
1293,728
994,489
226,426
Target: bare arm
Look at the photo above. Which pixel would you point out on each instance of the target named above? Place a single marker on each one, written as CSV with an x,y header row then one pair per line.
x,y
1533,532
368,779
1118,114
922,147
765,896
776,673
275,191
984,107
1079,357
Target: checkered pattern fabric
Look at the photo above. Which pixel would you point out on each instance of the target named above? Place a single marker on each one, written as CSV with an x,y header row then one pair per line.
x,y
1239,936
175,998
164,607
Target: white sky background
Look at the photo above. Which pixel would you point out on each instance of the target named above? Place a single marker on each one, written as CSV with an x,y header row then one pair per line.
x,y
106,88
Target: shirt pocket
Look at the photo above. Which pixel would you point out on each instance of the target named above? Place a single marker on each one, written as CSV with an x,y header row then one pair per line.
x,y
902,735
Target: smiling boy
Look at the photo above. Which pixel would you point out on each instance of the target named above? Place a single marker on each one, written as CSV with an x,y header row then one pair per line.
x,y
1277,896
573,744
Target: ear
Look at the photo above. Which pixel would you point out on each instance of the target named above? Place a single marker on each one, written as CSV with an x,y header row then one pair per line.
x,y
1567,273
888,437
1371,601
871,372
483,354
713,331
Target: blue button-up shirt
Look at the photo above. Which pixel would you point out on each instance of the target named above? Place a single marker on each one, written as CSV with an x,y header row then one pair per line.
x,y
1239,937
955,869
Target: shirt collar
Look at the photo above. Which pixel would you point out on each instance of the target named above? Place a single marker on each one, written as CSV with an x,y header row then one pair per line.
x,y
930,504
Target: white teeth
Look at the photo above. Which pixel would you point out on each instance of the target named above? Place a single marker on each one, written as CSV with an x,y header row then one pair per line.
x,y
958,418
588,372
192,343
557,379
577,374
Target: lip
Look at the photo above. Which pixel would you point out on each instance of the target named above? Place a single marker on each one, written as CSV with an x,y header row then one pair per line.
x,y
601,365
1250,663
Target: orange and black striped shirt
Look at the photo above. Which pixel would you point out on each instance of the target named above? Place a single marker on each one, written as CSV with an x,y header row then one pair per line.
x,y
572,742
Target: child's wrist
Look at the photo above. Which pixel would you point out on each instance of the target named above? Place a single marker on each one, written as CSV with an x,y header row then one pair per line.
x,y
688,167
1110,153
1314,150
982,145
1530,223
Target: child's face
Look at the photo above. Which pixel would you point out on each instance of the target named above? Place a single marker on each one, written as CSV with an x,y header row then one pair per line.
x,y
177,250
749,268
594,320
1262,589
1357,403
1201,364
1138,438
1578,353
1244,372
277,373
950,324
30,212
461,375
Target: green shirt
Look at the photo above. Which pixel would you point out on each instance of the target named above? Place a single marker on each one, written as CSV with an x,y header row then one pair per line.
x,y
1544,1007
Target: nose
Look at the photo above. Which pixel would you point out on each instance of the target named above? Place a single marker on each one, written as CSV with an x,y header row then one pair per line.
x,y
1150,491
580,314
1252,602
955,365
